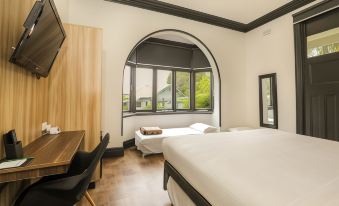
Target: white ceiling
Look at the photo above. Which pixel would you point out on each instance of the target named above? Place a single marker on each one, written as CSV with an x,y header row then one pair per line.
x,y
243,11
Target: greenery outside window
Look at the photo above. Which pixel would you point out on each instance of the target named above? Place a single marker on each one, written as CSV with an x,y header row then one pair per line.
x,y
183,90
203,83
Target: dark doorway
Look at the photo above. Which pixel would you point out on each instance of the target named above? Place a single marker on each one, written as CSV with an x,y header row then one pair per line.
x,y
322,97
317,70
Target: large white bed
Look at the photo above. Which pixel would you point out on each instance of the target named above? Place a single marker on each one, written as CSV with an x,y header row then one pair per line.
x,y
262,167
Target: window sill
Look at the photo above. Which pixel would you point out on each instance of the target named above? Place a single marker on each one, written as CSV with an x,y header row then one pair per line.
x,y
127,114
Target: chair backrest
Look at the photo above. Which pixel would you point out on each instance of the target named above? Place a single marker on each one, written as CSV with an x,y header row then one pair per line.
x,y
96,156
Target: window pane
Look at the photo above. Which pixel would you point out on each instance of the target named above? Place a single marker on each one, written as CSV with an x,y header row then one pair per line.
x,y
164,87
203,90
126,89
326,42
183,90
143,90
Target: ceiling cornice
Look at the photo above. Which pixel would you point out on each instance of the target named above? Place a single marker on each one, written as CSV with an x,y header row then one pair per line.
x,y
315,10
154,40
171,9
285,9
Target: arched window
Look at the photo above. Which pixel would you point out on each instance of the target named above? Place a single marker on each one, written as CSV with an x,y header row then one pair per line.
x,y
167,76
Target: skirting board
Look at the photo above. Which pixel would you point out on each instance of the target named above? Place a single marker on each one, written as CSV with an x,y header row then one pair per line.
x,y
114,152
129,143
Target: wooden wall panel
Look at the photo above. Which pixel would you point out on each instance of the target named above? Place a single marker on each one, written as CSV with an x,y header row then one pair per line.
x,y
70,97
23,98
75,84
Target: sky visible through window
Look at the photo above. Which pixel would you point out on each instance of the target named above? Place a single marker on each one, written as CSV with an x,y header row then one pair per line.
x,y
144,89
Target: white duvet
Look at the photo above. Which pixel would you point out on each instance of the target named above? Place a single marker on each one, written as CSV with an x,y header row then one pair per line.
x,y
261,167
151,144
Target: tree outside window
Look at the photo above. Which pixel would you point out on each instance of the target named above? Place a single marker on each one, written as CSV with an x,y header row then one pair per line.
x,y
183,90
203,90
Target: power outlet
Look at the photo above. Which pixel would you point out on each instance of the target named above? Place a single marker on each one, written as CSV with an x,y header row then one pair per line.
x,y
267,32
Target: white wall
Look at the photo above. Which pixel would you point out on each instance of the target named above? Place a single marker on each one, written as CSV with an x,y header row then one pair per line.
x,y
133,123
63,9
240,57
123,26
273,53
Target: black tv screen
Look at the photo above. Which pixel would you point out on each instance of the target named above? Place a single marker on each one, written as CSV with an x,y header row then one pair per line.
x,y
40,43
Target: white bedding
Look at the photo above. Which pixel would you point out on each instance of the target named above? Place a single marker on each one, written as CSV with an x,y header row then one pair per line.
x,y
151,144
261,167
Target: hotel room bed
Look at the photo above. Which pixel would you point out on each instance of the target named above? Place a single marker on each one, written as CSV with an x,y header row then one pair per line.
x,y
262,167
151,144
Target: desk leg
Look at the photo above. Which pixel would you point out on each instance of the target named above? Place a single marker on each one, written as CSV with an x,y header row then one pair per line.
x,y
89,198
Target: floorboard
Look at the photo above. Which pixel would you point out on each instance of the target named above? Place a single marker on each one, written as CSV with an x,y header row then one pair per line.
x,y
130,180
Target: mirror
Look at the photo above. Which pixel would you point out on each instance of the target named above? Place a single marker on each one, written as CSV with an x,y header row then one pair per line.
x,y
268,101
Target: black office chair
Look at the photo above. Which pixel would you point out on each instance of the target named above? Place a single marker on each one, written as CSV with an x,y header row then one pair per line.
x,y
65,189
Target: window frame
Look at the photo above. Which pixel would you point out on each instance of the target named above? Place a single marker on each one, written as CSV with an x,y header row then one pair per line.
x,y
154,110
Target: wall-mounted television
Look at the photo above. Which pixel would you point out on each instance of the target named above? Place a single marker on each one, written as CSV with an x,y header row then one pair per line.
x,y
42,39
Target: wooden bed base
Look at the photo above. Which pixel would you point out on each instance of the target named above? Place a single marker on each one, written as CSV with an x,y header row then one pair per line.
x,y
193,194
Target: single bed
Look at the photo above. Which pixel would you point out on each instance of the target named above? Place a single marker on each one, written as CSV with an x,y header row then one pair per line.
x,y
262,167
151,144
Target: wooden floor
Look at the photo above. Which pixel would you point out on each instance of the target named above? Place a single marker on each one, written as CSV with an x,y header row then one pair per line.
x,y
131,180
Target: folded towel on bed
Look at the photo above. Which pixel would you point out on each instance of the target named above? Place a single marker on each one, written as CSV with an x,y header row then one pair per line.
x,y
150,130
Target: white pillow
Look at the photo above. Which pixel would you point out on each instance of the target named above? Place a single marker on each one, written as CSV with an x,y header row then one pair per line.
x,y
204,128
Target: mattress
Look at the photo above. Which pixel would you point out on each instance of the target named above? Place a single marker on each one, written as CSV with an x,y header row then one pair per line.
x,y
151,144
261,167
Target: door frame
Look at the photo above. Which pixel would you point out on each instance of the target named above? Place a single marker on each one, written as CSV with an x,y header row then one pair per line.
x,y
300,48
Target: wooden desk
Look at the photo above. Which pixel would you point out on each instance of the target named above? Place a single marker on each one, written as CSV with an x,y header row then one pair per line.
x,y
52,155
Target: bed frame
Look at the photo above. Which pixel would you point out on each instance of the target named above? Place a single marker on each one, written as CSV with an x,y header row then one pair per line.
x,y
193,194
